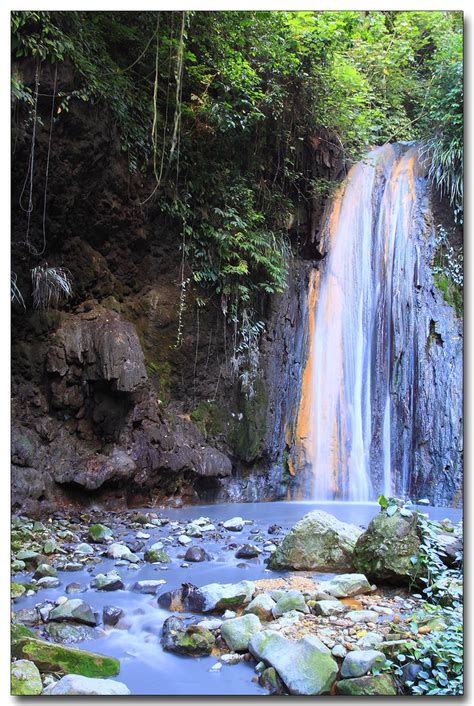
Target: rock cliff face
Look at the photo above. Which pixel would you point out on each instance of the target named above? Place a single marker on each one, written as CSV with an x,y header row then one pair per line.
x,y
106,407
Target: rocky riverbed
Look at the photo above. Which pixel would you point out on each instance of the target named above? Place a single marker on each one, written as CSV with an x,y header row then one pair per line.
x,y
185,602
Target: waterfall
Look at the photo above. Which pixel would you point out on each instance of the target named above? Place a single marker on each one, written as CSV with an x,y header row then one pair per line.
x,y
362,295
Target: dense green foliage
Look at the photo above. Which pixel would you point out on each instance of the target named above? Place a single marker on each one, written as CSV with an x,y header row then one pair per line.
x,y
438,655
218,108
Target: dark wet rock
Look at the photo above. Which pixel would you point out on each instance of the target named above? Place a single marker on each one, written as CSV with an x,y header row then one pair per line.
x,y
385,551
74,587
180,599
192,640
111,615
196,554
359,662
50,657
450,545
410,671
108,582
76,685
305,666
27,616
103,346
74,610
25,679
381,685
248,551
317,542
274,529
92,472
237,632
270,681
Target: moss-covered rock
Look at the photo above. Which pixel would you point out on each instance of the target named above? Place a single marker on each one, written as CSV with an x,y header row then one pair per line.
x,y
49,657
193,640
156,555
305,666
17,590
387,551
237,632
381,685
318,542
25,679
99,533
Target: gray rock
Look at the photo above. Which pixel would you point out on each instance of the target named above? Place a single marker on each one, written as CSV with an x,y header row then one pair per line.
x,y
75,684
359,662
108,582
305,666
192,640
362,616
291,600
237,632
48,582
73,610
120,551
318,542
329,608
211,624
235,524
44,570
84,548
68,633
370,641
339,651
346,585
262,606
148,586
217,596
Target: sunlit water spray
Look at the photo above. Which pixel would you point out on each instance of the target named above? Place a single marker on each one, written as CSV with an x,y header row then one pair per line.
x,y
357,298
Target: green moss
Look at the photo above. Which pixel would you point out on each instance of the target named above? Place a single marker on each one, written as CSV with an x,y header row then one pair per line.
x,y
17,590
153,555
49,657
249,431
25,679
451,293
19,632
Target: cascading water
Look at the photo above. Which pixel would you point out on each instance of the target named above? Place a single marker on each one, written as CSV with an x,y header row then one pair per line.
x,y
362,295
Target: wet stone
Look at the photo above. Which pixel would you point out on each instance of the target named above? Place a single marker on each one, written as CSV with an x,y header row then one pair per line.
x,y
111,615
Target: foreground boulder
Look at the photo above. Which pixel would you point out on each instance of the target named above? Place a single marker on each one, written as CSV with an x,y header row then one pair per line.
x,y
381,685
359,662
305,667
193,640
76,685
318,542
387,551
49,657
25,679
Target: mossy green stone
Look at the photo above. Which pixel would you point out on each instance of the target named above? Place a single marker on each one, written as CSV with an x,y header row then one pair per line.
x,y
385,550
17,590
156,555
49,657
381,685
25,679
19,632
99,533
